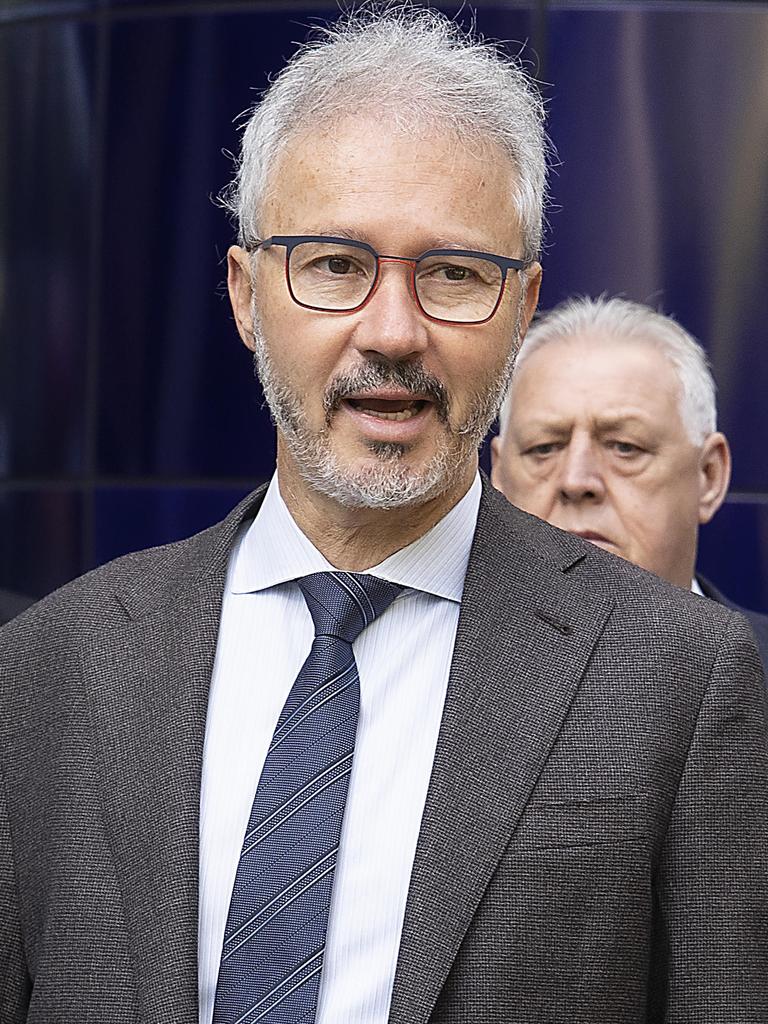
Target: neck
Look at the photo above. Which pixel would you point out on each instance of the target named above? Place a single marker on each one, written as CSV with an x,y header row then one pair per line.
x,y
354,539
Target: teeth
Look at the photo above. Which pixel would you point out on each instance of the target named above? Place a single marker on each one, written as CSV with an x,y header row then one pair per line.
x,y
404,414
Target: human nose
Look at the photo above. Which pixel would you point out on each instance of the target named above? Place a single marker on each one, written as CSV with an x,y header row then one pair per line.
x,y
390,324
580,473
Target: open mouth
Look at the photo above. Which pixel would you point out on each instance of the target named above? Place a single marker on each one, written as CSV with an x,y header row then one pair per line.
x,y
395,409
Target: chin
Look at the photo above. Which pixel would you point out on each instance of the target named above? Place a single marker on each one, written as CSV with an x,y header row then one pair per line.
x,y
386,479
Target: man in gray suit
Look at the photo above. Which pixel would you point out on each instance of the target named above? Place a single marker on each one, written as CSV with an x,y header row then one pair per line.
x,y
610,431
558,800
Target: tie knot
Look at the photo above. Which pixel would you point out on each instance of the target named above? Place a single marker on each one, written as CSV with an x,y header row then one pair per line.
x,y
342,604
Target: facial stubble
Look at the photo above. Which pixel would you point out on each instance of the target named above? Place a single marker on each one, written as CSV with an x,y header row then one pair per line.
x,y
387,481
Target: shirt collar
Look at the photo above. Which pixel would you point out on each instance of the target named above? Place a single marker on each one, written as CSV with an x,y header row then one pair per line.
x,y
696,588
273,550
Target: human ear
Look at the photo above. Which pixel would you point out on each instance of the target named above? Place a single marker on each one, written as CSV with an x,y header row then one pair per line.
x,y
240,292
532,278
714,475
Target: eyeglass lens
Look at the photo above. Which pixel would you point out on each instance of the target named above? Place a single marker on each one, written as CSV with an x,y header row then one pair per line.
x,y
335,277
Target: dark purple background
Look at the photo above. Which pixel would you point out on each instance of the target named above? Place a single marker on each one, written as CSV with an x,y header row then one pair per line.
x,y
128,411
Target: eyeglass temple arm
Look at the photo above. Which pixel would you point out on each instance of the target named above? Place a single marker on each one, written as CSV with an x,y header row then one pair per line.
x,y
258,243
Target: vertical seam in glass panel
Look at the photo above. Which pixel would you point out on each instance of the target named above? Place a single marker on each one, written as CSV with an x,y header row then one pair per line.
x,y
95,281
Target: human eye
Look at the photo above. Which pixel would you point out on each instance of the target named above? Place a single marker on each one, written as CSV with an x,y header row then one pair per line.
x,y
625,449
328,260
337,264
454,272
445,270
543,450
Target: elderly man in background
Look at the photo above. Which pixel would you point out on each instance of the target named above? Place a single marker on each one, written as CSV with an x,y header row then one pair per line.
x,y
380,748
609,431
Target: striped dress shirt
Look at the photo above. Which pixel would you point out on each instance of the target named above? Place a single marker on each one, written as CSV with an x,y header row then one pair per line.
x,y
403,660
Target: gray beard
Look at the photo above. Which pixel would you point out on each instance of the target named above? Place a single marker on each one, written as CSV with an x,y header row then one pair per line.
x,y
387,482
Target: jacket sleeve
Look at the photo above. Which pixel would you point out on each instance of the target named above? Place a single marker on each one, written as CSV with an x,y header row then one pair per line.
x,y
15,985
712,887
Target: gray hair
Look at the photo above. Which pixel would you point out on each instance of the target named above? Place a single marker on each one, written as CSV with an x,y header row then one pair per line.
x,y
632,321
419,69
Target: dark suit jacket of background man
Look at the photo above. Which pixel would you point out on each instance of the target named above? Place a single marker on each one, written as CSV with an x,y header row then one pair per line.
x,y
595,818
758,622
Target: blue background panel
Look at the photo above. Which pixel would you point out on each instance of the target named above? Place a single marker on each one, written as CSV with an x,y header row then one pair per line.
x,y
176,390
739,526
47,172
132,518
41,539
129,415
662,190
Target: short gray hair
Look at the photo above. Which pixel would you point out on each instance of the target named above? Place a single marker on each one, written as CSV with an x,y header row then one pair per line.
x,y
632,321
415,66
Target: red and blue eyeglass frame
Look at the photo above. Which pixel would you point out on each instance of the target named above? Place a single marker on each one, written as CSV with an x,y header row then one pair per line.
x,y
289,242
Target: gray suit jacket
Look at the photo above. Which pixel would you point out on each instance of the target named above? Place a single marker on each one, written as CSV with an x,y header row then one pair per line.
x,y
593,847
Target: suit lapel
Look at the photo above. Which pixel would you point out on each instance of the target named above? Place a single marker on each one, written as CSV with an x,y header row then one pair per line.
x,y
521,648
148,683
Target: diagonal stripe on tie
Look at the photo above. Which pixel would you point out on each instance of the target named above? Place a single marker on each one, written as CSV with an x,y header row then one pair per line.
x,y
274,940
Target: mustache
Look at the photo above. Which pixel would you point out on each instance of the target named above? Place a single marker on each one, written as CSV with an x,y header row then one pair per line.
x,y
411,377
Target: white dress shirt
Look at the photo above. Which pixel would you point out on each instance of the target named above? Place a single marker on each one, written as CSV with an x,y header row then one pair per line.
x,y
403,661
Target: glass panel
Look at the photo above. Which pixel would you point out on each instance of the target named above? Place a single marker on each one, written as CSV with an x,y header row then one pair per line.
x,y
41,540
660,194
47,166
131,518
733,553
177,393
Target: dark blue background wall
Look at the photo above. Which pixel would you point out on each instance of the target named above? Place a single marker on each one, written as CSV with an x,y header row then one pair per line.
x,y
128,411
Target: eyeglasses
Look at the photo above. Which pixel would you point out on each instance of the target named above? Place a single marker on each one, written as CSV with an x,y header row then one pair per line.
x,y
338,275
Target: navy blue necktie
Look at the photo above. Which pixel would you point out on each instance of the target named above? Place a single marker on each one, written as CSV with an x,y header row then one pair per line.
x,y
274,938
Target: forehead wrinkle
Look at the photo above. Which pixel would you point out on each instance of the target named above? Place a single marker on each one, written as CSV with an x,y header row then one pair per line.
x,y
350,179
617,421
563,424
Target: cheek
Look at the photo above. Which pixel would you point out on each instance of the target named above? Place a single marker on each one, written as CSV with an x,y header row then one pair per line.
x,y
478,355
530,485
654,521
303,351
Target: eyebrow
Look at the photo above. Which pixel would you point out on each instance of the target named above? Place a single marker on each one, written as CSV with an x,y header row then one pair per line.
x,y
462,243
618,422
604,424
353,236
